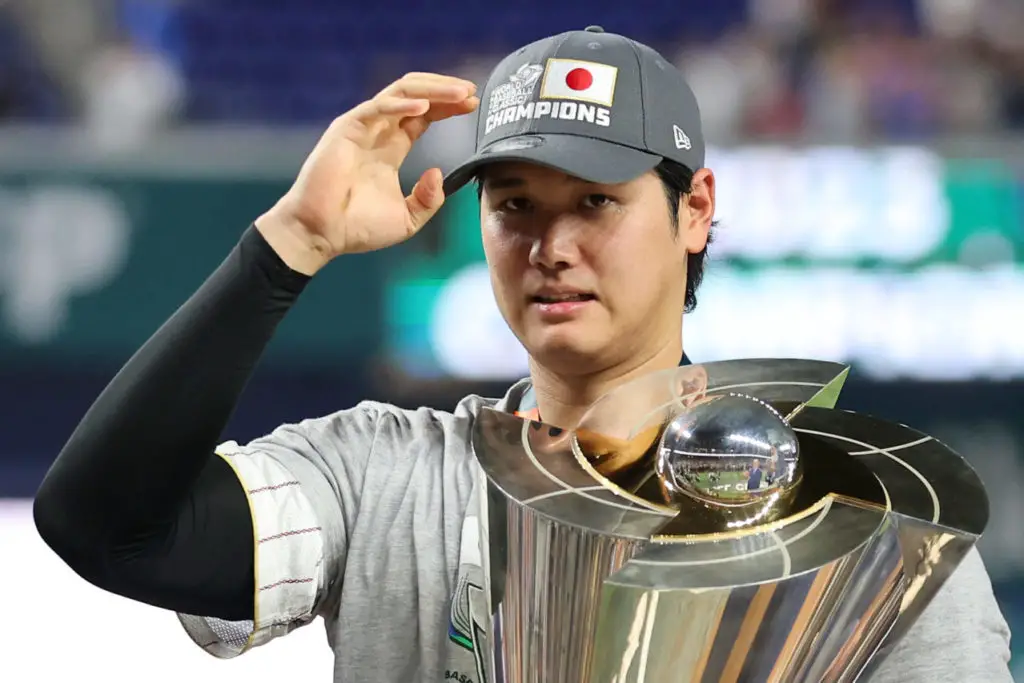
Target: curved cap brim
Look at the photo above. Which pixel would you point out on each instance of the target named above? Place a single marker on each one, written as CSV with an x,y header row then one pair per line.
x,y
593,160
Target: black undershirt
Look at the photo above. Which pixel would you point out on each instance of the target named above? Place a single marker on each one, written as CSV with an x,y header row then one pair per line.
x,y
136,502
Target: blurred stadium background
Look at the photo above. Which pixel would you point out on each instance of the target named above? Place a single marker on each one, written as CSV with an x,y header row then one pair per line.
x,y
871,195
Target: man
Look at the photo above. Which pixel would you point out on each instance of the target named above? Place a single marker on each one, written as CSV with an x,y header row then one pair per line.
x,y
363,517
753,476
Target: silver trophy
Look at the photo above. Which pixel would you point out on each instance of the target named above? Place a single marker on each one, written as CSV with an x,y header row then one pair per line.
x,y
716,522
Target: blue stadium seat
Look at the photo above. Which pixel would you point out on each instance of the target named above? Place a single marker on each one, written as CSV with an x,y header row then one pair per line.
x,y
308,60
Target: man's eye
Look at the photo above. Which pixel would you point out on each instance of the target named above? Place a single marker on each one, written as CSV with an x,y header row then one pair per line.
x,y
596,201
515,204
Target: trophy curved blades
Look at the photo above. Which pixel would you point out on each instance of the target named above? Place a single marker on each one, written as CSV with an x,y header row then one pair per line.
x,y
630,409
538,490
772,607
925,479
533,465
779,381
594,574
938,502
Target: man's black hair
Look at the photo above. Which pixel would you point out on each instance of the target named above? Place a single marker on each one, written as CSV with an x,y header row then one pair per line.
x,y
678,182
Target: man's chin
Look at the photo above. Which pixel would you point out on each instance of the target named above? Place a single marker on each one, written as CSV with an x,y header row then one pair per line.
x,y
566,352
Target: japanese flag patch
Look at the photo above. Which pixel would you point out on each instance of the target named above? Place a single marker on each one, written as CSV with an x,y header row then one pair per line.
x,y
573,79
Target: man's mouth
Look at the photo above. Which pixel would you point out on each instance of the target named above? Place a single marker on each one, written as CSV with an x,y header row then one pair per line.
x,y
561,298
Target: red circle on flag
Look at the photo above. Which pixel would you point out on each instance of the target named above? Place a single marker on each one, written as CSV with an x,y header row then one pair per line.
x,y
579,79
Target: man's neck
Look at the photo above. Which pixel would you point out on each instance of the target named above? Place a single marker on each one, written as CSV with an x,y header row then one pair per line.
x,y
563,400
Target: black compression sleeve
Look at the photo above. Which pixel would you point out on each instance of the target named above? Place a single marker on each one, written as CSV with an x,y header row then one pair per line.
x,y
136,502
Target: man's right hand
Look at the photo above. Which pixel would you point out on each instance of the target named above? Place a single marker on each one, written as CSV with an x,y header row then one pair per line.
x,y
347,197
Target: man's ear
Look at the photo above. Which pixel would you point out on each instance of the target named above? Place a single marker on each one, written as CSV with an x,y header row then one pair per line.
x,y
696,211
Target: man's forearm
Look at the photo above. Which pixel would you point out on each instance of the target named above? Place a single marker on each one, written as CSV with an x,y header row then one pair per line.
x,y
137,455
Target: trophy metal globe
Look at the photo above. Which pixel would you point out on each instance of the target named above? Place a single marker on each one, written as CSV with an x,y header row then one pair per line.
x,y
716,522
732,453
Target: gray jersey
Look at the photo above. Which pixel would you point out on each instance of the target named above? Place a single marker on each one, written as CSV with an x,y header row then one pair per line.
x,y
367,518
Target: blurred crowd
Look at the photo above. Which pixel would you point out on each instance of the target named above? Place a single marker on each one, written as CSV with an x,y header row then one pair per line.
x,y
837,69
782,69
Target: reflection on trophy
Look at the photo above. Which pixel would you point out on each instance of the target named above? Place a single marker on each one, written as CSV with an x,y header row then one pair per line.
x,y
717,453
717,522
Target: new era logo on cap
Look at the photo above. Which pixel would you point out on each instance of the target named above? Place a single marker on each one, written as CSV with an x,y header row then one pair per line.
x,y
572,79
682,140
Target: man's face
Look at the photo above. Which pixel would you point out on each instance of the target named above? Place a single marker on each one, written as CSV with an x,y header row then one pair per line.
x,y
588,275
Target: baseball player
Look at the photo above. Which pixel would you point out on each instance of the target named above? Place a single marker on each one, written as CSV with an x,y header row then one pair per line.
x,y
596,208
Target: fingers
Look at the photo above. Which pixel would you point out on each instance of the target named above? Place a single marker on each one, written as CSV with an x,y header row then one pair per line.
x,y
433,87
410,104
414,127
389,105
441,111
431,96
426,198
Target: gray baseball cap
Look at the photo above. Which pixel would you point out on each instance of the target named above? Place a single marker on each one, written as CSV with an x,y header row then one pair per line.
x,y
595,105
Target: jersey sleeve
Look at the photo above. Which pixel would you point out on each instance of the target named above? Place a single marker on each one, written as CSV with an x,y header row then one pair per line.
x,y
302,485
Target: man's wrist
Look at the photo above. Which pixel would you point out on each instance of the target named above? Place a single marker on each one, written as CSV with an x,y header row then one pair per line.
x,y
300,251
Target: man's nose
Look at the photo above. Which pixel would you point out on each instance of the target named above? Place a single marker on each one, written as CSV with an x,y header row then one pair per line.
x,y
555,246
